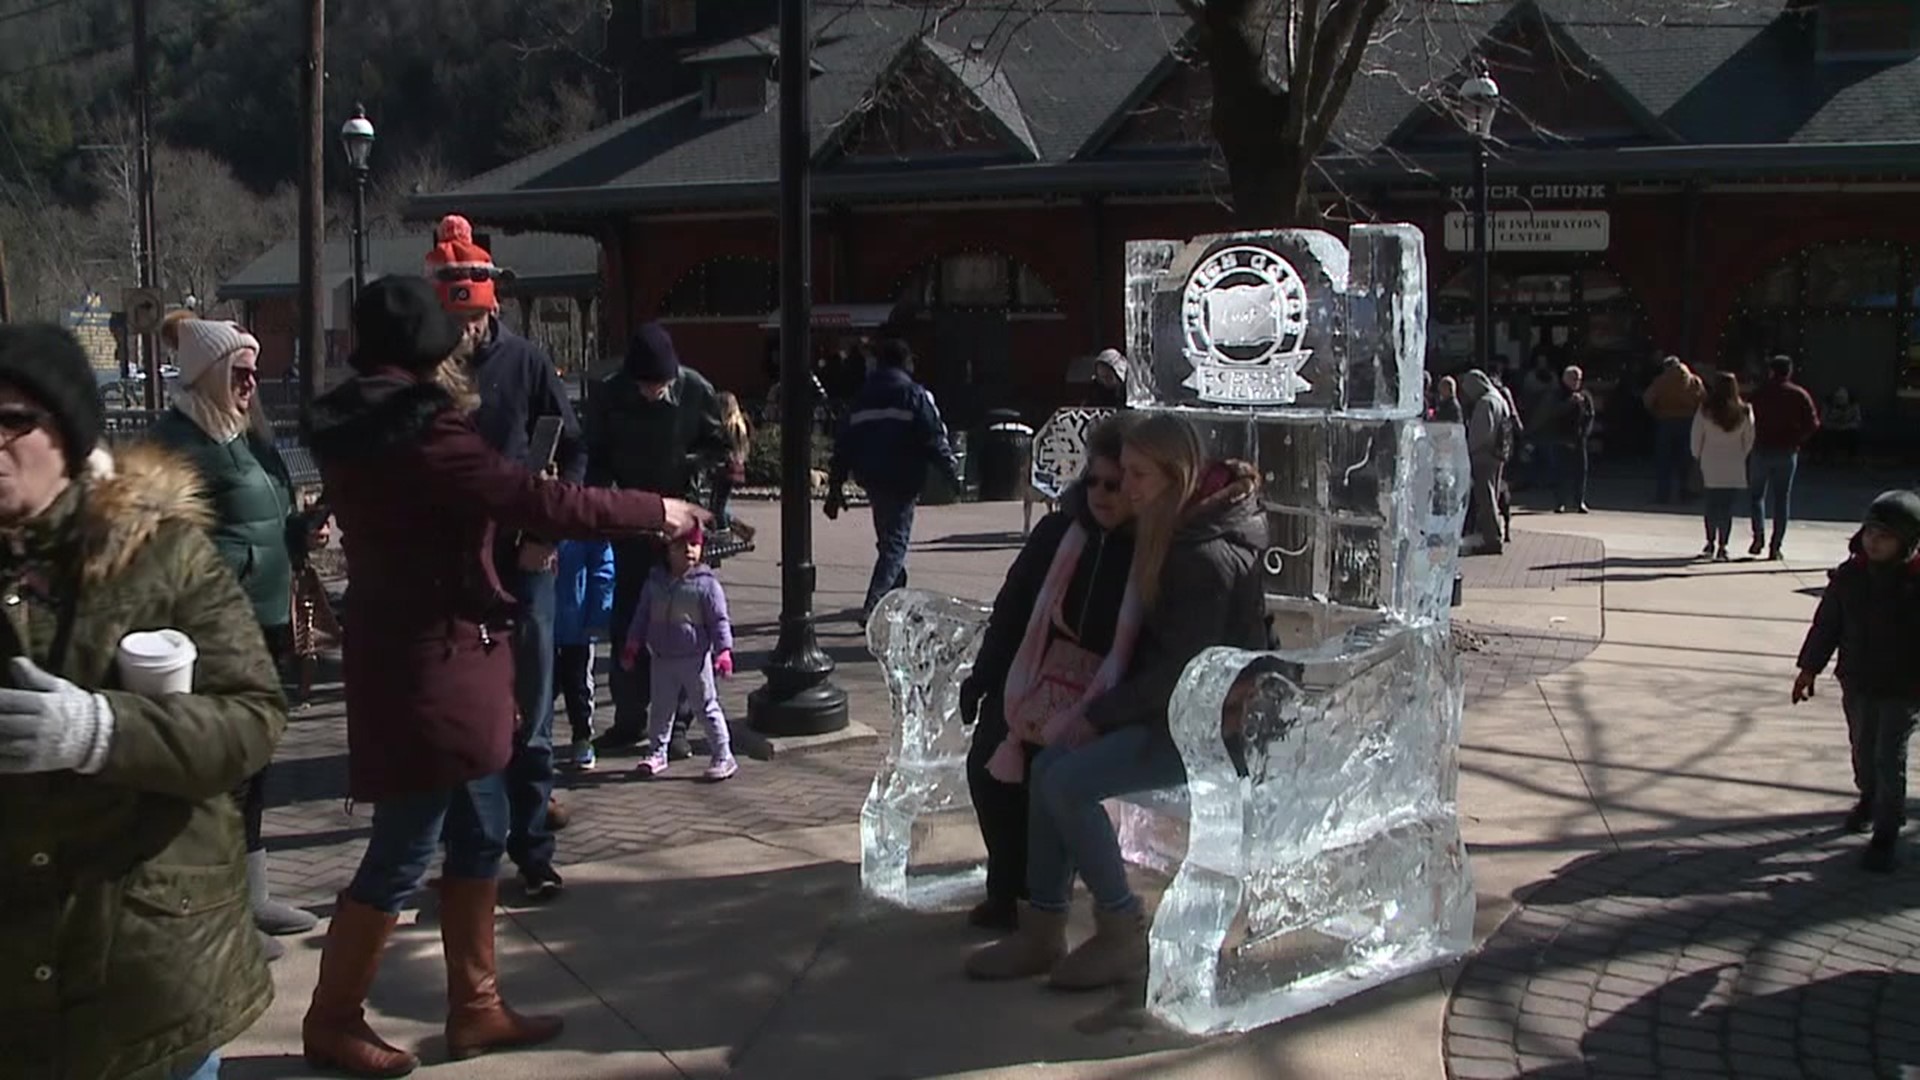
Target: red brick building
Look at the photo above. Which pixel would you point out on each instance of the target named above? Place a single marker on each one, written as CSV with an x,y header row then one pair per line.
x,y
1718,181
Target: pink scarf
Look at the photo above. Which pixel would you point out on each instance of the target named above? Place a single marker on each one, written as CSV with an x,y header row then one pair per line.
x,y
1008,763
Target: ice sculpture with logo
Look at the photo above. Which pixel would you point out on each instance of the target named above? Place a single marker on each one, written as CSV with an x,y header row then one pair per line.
x,y
1315,848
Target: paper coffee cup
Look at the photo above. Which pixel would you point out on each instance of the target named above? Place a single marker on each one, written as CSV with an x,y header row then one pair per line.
x,y
156,662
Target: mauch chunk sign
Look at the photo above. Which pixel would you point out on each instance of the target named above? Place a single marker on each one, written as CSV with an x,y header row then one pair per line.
x,y
1243,321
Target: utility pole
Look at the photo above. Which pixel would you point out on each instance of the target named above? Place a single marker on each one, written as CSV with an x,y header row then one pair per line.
x,y
143,188
313,140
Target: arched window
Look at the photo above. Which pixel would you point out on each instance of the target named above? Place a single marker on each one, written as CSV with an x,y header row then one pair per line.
x,y
1849,315
978,280
725,287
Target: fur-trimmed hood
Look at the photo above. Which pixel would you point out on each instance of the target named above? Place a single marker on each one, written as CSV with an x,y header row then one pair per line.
x,y
125,499
375,414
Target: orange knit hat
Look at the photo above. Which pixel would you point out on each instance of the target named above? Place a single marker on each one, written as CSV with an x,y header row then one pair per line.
x,y
461,270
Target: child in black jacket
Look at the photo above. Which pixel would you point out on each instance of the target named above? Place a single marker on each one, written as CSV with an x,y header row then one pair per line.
x,y
1871,615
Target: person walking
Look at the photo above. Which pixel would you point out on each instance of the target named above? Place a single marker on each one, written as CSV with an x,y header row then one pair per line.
x,y
1673,400
429,668
892,436
1870,615
1491,428
1785,420
129,947
1722,438
654,425
1566,427
518,387
256,528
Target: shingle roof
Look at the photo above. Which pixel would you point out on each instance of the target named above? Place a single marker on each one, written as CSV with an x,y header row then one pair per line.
x,y
1714,73
541,262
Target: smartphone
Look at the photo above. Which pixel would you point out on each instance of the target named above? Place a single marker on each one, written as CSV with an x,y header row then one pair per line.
x,y
545,444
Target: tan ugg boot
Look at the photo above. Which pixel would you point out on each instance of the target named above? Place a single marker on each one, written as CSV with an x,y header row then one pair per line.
x,y
1116,952
1038,943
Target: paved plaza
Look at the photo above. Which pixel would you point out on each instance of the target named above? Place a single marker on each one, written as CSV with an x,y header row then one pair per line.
x,y
1654,830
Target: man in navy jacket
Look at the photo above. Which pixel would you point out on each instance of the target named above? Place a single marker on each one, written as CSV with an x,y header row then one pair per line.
x,y
518,386
891,436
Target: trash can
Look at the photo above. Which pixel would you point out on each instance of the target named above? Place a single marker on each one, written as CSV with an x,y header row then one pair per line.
x,y
1004,451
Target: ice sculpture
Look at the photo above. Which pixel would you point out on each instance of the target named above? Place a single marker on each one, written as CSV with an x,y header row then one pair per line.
x,y
1315,849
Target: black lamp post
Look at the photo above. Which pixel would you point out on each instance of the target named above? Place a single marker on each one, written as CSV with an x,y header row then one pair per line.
x,y
1480,99
356,139
799,697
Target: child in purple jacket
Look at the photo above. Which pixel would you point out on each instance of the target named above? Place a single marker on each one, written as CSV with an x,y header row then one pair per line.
x,y
682,622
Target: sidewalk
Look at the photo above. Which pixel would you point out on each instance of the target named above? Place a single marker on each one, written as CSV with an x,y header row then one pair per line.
x,y
710,932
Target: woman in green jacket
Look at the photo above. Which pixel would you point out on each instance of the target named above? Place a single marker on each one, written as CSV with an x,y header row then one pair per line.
x,y
255,526
125,936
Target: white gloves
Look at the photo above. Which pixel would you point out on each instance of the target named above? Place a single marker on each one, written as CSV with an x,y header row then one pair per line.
x,y
49,725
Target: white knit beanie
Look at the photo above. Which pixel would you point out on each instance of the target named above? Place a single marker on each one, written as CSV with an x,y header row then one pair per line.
x,y
202,343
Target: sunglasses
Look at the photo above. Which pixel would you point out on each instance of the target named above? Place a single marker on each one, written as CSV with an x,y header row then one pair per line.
x,y
18,420
246,375
467,273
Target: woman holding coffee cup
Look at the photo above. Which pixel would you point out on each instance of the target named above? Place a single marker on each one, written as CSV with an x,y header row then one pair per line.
x,y
430,713
137,695
257,527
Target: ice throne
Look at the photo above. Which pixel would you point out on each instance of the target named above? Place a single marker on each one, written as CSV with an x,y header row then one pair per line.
x,y
1315,849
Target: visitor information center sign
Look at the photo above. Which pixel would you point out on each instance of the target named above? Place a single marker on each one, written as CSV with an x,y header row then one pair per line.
x,y
1533,230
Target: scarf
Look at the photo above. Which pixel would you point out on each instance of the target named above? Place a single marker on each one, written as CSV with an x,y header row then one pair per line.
x,y
1008,763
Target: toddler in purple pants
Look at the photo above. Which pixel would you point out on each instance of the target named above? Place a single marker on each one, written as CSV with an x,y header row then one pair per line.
x,y
682,622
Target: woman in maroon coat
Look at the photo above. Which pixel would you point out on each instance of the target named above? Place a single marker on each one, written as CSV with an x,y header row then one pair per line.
x,y
429,670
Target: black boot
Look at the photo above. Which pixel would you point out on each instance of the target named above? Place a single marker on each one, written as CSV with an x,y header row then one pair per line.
x,y
1880,857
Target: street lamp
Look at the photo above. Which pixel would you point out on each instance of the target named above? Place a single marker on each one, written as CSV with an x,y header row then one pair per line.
x,y
1480,104
799,697
356,139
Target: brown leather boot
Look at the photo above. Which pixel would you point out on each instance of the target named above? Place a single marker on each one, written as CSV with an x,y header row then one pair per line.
x,y
335,1034
477,1020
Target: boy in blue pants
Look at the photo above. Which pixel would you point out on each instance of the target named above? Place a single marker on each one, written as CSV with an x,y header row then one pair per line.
x,y
582,606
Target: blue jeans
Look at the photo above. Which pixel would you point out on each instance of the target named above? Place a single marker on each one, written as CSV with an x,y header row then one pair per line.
x,y
209,1069
530,773
407,829
1672,458
1770,476
1719,515
892,532
1878,729
1068,829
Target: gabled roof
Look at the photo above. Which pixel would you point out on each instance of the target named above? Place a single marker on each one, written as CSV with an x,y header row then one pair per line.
x,y
1727,73
541,263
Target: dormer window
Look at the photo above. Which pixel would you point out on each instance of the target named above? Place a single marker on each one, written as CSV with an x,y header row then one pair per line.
x,y
1869,29
737,89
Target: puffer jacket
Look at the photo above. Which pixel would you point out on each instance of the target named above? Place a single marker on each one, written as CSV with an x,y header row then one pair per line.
x,y
255,528
126,942
1210,594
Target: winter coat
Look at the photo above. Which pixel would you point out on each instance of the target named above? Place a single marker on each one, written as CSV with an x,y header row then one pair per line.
x,y
1210,594
126,939
638,443
1492,423
892,435
420,497
1091,607
1784,417
1722,453
1870,614
583,597
255,528
1675,394
1566,418
517,385
682,618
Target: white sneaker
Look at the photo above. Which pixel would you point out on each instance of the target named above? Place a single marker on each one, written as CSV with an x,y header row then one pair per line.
x,y
584,759
721,768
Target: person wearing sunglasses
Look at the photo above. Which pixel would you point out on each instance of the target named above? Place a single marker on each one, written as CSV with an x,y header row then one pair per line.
x,y
257,526
124,928
1061,597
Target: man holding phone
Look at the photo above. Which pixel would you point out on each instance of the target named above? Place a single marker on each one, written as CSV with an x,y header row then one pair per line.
x,y
526,415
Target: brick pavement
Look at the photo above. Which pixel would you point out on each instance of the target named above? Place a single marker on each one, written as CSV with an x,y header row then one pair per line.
x,y
1759,951
1536,560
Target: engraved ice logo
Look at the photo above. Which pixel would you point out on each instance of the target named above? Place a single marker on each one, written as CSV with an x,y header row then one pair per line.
x,y
1244,315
